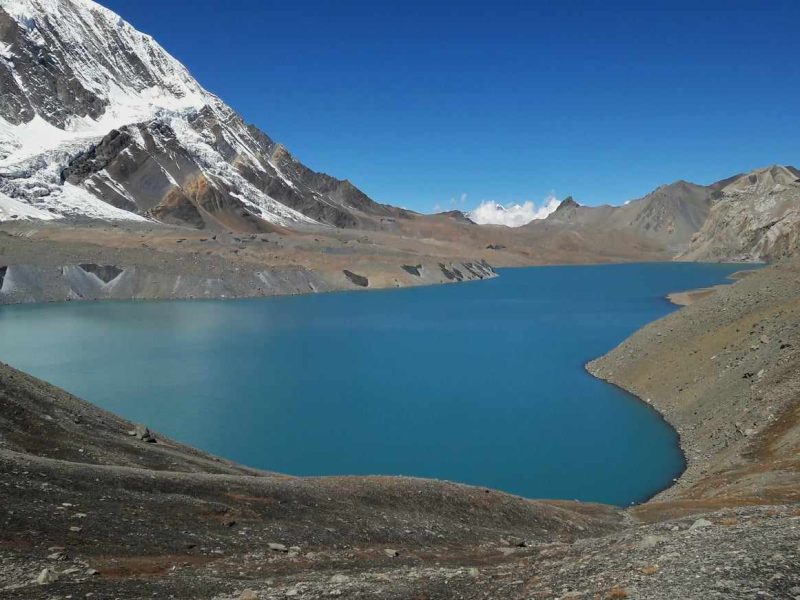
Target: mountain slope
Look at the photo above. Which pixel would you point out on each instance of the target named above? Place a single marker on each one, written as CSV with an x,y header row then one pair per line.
x,y
97,120
669,215
756,218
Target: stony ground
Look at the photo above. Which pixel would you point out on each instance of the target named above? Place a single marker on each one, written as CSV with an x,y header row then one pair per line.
x,y
724,372
92,506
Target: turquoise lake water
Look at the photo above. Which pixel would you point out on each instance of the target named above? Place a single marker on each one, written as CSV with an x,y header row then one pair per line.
x,y
481,383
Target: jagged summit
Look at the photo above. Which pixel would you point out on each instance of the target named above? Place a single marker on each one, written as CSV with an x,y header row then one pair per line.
x,y
763,180
97,120
568,202
756,218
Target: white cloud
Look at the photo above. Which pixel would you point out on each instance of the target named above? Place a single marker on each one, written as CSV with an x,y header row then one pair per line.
x,y
514,215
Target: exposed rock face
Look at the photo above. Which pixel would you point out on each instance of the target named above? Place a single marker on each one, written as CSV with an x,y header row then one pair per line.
x,y
84,135
756,218
105,273
356,279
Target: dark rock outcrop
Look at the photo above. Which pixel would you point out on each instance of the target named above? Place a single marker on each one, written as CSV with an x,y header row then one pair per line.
x,y
106,273
358,280
413,269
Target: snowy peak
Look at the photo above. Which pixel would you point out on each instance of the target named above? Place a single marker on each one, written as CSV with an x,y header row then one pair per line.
x,y
97,120
72,68
113,65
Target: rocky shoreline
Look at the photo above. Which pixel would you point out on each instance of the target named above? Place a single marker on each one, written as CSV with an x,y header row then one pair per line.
x,y
82,495
720,371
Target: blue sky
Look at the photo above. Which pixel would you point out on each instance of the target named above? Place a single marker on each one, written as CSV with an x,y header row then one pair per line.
x,y
421,102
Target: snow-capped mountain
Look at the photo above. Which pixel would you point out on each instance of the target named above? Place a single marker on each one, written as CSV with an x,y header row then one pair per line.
x,y
98,121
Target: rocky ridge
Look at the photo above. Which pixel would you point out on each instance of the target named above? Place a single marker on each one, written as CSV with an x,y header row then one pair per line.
x,y
757,218
135,137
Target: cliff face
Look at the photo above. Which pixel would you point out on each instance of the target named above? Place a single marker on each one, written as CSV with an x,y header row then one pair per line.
x,y
757,218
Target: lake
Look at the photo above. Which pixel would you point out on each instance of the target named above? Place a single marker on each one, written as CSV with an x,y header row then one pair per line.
x,y
481,383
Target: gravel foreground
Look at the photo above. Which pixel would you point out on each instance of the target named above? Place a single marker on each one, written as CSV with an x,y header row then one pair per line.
x,y
92,506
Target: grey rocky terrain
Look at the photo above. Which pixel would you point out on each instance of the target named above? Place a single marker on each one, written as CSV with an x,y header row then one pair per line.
x,y
756,218
95,505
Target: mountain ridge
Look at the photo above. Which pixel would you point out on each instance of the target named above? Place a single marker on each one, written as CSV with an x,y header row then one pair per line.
x,y
120,82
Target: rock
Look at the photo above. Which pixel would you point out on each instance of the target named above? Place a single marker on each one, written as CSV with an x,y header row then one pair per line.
x,y
91,572
248,595
47,576
356,279
277,547
339,578
76,529
473,572
140,432
701,523
58,555
295,549
391,552
650,541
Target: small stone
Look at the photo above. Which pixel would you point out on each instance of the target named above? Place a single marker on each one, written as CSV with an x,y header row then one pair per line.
x,y
47,576
339,578
76,529
295,549
57,555
701,523
248,595
391,552
277,547
473,572
91,572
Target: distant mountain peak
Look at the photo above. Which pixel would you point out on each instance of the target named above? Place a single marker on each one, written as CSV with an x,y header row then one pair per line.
x,y
568,202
